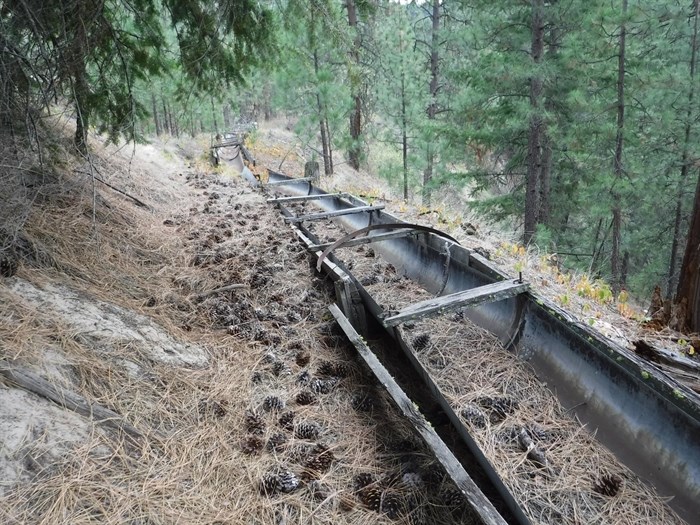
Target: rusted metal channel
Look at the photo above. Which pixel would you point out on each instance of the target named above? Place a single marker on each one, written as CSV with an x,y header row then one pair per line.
x,y
650,422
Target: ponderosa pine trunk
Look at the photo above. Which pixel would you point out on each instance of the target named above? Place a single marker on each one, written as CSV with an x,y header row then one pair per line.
x,y
618,172
355,151
155,114
432,107
688,295
685,160
534,142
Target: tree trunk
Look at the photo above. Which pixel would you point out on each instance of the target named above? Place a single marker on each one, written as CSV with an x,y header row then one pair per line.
x,y
323,125
213,115
534,142
155,114
688,295
685,160
618,171
432,107
404,136
81,92
355,151
166,121
228,120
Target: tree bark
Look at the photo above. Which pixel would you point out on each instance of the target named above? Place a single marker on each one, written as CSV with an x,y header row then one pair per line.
x,y
685,160
355,152
432,107
534,142
323,125
689,282
166,122
618,171
155,114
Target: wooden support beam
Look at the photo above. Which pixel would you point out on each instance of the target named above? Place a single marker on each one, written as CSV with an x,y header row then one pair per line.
x,y
367,240
479,502
303,198
288,181
468,298
328,214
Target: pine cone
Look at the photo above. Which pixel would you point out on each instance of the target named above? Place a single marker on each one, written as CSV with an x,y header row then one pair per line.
x,y
8,266
371,497
307,430
278,480
254,423
319,491
343,369
302,358
286,420
362,480
392,505
279,368
363,402
326,368
272,404
501,407
276,442
304,378
256,378
251,445
474,416
421,342
608,484
305,398
324,386
452,497
319,461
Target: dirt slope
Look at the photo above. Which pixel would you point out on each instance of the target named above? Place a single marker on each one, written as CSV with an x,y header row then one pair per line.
x,y
240,406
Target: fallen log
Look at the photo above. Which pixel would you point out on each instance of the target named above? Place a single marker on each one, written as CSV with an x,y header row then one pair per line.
x,y
31,382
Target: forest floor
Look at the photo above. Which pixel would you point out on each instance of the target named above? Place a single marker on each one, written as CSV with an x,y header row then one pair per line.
x,y
238,405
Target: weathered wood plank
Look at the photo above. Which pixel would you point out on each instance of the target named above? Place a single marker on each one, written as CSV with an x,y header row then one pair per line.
x,y
479,502
31,382
367,240
288,181
483,294
302,198
336,213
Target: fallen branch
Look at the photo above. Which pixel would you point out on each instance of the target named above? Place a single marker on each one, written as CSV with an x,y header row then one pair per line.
x,y
228,288
37,385
137,201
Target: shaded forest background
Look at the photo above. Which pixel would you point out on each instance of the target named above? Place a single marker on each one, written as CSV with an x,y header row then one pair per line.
x,y
573,122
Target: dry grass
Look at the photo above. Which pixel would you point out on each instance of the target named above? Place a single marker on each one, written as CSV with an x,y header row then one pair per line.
x,y
192,465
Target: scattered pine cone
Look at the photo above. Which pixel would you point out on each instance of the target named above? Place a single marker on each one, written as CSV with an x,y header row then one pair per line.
x,y
279,368
363,402
302,358
452,497
276,442
286,420
371,497
474,416
421,342
304,378
320,460
8,266
272,404
305,398
324,386
276,481
362,480
392,505
254,423
251,445
326,368
608,485
307,430
210,407
501,407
